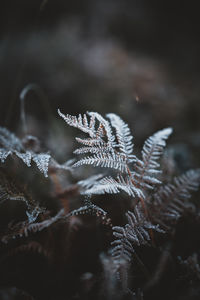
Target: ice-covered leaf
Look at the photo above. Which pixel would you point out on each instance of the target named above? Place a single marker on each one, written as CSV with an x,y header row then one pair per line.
x,y
113,186
171,200
147,168
42,162
12,145
4,154
123,135
105,160
26,157
81,123
135,233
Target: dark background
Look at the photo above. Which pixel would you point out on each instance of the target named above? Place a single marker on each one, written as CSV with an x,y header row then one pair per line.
x,y
139,59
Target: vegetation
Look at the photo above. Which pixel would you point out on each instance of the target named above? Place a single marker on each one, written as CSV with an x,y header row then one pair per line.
x,y
125,246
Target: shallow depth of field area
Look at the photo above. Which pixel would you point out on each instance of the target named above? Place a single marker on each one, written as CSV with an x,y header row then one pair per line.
x,y
99,150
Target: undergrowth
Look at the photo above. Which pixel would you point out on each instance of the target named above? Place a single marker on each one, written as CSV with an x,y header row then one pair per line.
x,y
128,233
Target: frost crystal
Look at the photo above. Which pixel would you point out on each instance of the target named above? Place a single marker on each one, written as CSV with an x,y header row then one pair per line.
x,y
11,145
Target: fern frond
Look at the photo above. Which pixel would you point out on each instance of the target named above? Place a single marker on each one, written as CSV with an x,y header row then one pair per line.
x,y
42,162
123,135
105,160
105,126
135,233
114,150
39,226
94,150
137,229
11,145
4,154
90,181
26,157
10,191
102,142
171,200
146,168
81,123
113,186
122,251
91,209
91,142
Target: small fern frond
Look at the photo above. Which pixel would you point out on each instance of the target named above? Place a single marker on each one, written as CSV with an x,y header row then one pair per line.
x,y
91,142
113,186
137,229
105,126
90,181
11,145
42,162
102,142
171,200
81,123
123,135
26,157
4,154
104,160
91,209
146,168
135,233
94,150
10,191
122,249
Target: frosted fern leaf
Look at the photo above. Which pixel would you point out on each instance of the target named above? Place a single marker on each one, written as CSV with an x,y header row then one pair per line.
x,y
108,150
147,168
101,139
135,233
89,182
110,146
105,128
23,229
82,123
42,162
137,229
4,154
113,161
91,209
123,136
113,186
11,145
121,252
10,191
171,200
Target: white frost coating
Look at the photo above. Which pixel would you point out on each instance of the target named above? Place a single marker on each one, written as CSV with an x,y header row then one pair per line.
x,y
42,162
123,134
11,145
110,146
146,168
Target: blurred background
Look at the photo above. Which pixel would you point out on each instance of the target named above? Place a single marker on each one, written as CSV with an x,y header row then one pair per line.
x,y
139,59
